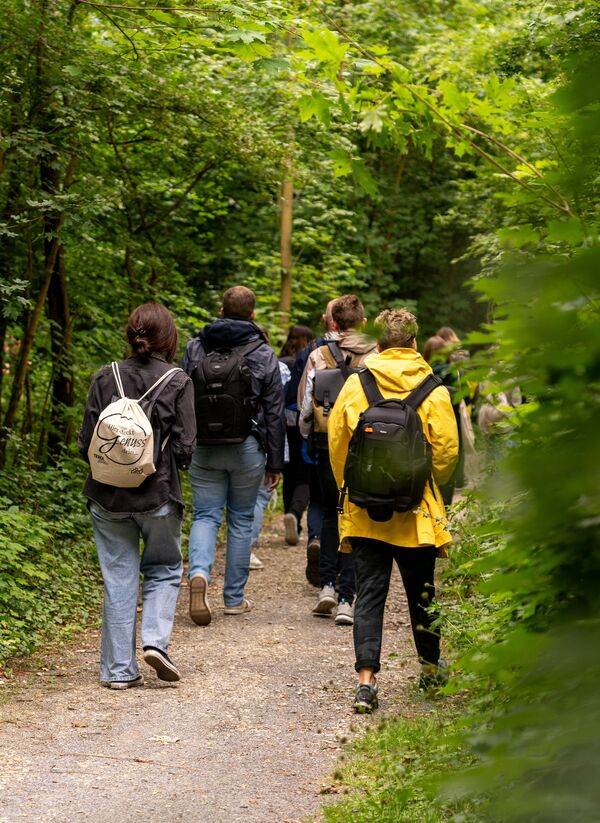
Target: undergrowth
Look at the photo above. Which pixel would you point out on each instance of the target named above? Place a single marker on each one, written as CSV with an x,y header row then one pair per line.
x,y
49,576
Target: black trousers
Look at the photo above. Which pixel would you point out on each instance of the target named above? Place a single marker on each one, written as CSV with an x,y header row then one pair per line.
x,y
295,476
373,562
331,561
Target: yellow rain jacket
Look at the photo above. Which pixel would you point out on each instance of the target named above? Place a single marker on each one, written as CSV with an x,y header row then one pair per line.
x,y
398,372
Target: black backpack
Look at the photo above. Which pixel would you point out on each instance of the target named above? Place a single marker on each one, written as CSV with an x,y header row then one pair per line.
x,y
223,396
389,457
328,384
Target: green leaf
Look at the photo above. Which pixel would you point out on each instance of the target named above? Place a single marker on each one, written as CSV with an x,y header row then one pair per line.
x,y
314,105
566,231
453,97
325,44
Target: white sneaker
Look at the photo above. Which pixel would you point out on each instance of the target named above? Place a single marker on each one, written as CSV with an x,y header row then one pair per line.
x,y
291,529
325,603
255,562
344,615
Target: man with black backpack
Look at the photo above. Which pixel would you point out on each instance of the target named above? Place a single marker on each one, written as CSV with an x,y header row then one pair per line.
x,y
392,441
241,436
327,367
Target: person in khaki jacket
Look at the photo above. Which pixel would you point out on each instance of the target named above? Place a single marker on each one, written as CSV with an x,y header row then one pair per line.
x,y
412,539
347,318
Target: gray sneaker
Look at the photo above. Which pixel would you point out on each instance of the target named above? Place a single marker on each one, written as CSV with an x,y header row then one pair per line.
x,y
325,603
121,685
255,562
291,529
344,615
241,608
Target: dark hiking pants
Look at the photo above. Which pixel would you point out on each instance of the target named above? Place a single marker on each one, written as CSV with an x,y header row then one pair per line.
x,y
373,562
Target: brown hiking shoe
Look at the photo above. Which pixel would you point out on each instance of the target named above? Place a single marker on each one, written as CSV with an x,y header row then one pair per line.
x,y
199,608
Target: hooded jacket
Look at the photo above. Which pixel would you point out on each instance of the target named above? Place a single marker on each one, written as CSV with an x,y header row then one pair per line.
x,y
351,343
267,390
398,372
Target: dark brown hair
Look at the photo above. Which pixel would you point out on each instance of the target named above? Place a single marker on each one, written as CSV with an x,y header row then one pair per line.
x,y
151,330
435,343
447,334
298,338
347,311
238,301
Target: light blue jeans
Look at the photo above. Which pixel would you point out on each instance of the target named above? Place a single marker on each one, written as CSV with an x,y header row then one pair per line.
x,y
262,501
225,476
117,536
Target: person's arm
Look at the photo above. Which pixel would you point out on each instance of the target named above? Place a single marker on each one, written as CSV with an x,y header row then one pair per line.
x,y
183,431
305,414
342,421
93,408
442,433
272,402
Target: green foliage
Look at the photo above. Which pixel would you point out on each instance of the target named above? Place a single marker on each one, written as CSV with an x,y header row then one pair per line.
x,y
386,776
49,576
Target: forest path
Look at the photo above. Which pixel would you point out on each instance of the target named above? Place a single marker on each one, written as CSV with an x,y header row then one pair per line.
x,y
251,733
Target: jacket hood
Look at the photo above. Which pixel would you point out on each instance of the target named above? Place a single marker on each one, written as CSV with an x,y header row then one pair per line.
x,y
229,332
398,369
355,342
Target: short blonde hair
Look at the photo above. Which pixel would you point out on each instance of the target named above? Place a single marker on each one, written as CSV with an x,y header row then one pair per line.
x,y
397,328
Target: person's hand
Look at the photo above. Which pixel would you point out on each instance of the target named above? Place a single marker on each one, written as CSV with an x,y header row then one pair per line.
x,y
271,480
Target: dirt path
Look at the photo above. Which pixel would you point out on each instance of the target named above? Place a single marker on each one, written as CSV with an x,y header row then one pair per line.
x,y
251,733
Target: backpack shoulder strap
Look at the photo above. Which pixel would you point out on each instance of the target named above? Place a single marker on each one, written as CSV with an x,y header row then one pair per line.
x,y
117,375
160,383
423,390
340,360
370,387
250,347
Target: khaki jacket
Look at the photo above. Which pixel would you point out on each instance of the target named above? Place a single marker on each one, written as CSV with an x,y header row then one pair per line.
x,y
398,372
352,343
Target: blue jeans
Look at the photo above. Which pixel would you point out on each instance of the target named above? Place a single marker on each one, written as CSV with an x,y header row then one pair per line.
x,y
262,501
225,476
117,536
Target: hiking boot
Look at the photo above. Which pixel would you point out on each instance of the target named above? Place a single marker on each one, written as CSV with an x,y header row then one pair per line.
x,y
313,551
326,602
199,608
255,562
365,699
159,660
241,608
121,685
432,676
291,529
344,615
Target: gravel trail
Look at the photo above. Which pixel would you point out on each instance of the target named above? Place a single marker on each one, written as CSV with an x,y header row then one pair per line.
x,y
251,733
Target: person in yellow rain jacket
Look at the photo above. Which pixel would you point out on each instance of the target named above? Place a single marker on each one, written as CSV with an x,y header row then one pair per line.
x,y
412,539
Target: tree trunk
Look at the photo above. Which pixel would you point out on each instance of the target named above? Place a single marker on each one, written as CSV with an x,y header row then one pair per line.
x,y
29,333
60,433
285,245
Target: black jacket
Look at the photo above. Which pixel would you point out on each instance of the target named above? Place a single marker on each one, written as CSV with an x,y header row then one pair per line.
x,y
173,413
267,392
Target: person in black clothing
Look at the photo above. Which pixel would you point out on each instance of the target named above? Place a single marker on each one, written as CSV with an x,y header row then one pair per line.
x,y
296,470
229,475
314,515
152,511
441,353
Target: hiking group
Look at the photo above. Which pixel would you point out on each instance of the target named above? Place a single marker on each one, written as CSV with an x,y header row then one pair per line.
x,y
364,432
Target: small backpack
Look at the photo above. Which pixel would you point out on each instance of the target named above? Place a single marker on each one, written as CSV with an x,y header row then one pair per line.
x,y
328,384
123,451
223,396
389,457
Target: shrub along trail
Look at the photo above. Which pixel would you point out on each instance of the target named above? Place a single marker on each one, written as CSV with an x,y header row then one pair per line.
x,y
251,733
